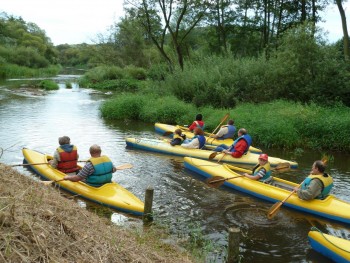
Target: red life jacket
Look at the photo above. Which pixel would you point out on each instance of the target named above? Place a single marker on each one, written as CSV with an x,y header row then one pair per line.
x,y
69,160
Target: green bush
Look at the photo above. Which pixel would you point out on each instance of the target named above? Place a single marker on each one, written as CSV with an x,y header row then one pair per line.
x,y
48,85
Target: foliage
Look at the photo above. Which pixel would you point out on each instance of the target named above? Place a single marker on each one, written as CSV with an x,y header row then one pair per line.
x,y
121,85
12,71
279,124
48,85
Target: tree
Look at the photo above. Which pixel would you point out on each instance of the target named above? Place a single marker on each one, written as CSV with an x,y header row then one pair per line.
x,y
345,30
173,17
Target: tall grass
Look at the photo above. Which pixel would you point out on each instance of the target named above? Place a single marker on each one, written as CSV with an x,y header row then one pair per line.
x,y
279,124
14,71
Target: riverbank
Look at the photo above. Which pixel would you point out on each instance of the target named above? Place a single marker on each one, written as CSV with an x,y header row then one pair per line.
x,y
38,224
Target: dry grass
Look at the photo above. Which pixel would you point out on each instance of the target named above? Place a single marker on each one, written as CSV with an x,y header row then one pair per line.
x,y
39,225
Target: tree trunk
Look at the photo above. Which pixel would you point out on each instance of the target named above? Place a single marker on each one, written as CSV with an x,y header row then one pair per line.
x,y
345,30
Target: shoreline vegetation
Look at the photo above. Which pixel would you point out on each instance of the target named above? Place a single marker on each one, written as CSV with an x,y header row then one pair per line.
x,y
38,224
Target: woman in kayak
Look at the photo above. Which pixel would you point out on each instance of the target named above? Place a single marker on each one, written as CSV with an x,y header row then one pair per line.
x,y
197,142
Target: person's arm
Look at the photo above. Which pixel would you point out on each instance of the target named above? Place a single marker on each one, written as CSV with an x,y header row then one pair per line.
x,y
55,160
83,173
239,149
221,132
194,144
313,190
258,176
192,126
176,141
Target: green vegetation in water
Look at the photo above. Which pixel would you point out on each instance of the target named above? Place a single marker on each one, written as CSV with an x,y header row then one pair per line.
x,y
68,85
279,124
48,85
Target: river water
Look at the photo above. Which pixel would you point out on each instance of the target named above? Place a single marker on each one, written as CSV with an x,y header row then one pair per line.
x,y
182,201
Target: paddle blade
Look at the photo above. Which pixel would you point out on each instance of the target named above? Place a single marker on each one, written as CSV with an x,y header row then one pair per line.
x,y
274,210
124,166
282,167
47,182
212,155
216,181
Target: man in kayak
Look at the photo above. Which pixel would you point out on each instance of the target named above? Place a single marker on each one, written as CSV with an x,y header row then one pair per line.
x,y
65,158
226,131
197,142
97,171
178,138
317,185
198,123
262,171
239,147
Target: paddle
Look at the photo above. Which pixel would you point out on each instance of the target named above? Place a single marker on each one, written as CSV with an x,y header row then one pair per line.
x,y
120,167
222,120
28,164
217,181
276,207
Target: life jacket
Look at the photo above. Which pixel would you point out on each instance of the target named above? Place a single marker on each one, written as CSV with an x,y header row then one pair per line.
x,y
245,137
103,171
267,168
230,134
181,137
200,126
201,140
68,159
326,181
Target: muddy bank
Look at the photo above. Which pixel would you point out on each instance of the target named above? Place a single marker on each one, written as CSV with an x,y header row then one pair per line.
x,y
39,225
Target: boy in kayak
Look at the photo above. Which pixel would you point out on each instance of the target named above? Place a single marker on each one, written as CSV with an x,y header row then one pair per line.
x,y
65,158
262,171
178,138
97,171
317,185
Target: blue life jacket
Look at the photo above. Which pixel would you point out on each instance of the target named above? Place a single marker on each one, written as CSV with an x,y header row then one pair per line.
x,y
245,137
326,181
230,134
201,140
103,171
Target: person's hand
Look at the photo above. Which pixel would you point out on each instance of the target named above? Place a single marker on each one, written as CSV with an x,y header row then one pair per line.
x,y
296,188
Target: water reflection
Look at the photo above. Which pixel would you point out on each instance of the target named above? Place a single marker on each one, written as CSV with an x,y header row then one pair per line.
x,y
182,200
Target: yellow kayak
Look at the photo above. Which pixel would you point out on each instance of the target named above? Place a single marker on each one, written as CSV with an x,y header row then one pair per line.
x,y
330,207
335,248
163,146
111,195
168,130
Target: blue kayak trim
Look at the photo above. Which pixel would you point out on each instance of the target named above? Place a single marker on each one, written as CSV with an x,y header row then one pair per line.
x,y
326,251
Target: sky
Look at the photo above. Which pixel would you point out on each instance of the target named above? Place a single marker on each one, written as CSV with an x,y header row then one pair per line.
x,y
80,21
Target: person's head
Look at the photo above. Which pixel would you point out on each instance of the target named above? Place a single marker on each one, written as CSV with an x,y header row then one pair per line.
x,y
178,131
95,150
241,132
64,140
231,122
318,167
263,158
199,117
198,131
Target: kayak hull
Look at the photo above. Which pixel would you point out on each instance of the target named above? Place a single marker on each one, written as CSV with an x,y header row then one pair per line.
x,y
111,195
163,146
335,248
330,208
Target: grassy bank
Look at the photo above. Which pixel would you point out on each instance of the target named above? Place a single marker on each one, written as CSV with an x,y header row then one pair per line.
x,y
40,225
279,124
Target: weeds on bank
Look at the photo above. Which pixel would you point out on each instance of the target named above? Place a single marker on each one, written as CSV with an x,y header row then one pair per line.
x,y
280,124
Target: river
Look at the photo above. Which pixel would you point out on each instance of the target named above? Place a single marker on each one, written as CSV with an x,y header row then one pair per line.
x,y
182,201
